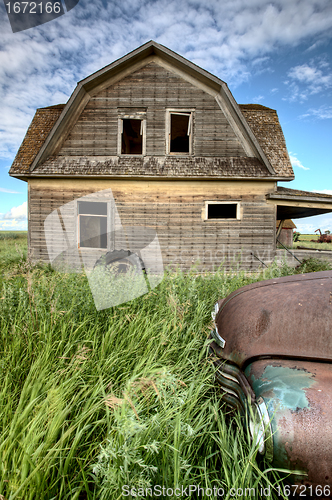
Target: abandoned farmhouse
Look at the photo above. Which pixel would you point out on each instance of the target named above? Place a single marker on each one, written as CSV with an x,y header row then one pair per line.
x,y
179,156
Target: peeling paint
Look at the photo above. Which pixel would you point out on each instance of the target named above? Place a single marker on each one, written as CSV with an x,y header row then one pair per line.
x,y
299,403
285,385
283,390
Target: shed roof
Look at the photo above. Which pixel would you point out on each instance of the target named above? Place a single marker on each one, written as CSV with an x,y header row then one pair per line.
x,y
295,204
287,224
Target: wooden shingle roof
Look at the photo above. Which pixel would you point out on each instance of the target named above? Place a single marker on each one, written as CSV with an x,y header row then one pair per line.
x,y
41,125
287,224
264,123
168,167
289,192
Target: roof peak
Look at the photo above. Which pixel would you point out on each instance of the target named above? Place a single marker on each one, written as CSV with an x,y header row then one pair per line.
x,y
151,48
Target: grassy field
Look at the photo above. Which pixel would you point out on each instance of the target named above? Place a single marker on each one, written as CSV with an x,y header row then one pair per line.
x,y
93,401
305,241
13,247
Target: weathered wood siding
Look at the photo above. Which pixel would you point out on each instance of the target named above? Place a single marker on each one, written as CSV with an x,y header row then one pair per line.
x,y
175,211
153,88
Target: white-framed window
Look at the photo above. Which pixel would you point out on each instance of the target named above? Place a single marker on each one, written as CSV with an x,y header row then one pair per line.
x,y
216,210
92,224
132,133
179,131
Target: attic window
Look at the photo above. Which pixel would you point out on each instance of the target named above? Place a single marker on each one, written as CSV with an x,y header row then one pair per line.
x,y
132,137
131,131
217,210
179,127
92,224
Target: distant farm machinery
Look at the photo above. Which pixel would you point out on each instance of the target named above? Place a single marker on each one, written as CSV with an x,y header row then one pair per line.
x,y
323,238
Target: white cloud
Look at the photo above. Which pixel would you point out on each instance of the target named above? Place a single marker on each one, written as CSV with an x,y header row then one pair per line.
x,y
16,213
232,39
15,219
13,225
322,113
309,225
309,75
317,44
303,228
308,79
258,98
296,162
3,190
324,191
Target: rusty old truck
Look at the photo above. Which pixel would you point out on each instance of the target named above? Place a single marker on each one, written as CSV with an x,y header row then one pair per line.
x,y
272,346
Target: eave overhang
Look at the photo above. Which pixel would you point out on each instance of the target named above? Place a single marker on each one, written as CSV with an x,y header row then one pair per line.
x,y
26,177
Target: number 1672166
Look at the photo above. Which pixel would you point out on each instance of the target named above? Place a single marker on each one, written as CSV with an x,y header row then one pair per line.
x,y
33,7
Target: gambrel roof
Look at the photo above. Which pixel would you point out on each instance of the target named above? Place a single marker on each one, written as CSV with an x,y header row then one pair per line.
x,y
257,128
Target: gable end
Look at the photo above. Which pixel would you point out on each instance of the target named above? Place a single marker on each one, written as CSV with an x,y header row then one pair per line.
x,y
87,130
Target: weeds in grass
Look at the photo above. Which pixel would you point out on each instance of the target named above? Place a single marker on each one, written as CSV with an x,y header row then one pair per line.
x,y
9,236
13,250
177,436
312,265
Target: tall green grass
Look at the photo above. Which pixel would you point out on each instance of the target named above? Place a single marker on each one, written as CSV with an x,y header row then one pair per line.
x,y
13,248
93,401
10,235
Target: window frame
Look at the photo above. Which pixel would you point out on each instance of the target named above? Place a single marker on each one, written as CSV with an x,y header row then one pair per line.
x,y
134,115
108,216
238,210
179,111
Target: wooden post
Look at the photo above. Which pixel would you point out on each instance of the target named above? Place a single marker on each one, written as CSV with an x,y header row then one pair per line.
x,y
281,223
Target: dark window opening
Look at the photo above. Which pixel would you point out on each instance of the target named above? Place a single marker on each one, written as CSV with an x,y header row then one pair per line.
x,y
92,217
132,137
222,211
179,135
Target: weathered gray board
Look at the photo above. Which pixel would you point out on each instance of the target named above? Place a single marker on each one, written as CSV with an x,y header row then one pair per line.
x,y
185,238
153,89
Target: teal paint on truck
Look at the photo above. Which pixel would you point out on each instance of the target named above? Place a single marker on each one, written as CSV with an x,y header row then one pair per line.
x,y
284,391
285,385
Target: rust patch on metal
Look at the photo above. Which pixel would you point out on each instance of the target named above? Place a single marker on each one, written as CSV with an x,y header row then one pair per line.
x,y
276,318
263,323
302,436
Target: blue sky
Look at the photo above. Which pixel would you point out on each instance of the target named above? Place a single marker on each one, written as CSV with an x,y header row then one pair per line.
x,y
276,53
